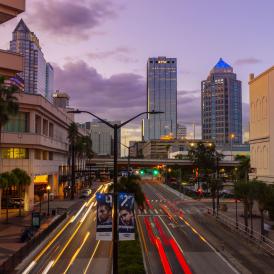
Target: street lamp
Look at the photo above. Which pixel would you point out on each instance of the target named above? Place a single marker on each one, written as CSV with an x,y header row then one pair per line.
x,y
115,128
232,137
128,157
48,189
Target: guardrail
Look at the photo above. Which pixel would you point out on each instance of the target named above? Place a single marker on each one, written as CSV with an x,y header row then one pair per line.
x,y
260,240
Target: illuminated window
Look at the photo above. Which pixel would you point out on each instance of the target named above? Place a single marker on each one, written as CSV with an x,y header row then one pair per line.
x,y
15,153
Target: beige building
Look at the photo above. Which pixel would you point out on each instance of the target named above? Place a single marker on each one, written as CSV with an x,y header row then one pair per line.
x,y
10,63
36,141
262,126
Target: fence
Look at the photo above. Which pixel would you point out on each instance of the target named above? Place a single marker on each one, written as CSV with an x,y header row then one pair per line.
x,y
9,265
260,240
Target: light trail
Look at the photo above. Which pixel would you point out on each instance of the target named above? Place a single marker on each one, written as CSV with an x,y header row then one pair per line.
x,y
76,253
91,258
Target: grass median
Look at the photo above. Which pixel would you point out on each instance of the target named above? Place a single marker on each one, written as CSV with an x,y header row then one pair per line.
x,y
130,258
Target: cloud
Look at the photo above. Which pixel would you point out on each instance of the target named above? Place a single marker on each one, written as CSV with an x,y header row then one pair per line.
x,y
118,97
122,54
247,61
189,107
73,19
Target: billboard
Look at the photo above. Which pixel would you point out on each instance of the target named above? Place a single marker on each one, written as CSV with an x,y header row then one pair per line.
x,y
126,223
104,217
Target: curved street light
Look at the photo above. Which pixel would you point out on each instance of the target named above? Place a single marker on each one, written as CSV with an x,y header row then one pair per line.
x,y
115,127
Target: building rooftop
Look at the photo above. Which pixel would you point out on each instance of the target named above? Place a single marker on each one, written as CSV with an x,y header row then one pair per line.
x,y
222,65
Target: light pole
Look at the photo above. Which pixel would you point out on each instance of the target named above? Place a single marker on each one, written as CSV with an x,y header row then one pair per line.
x,y
115,128
48,189
232,137
128,157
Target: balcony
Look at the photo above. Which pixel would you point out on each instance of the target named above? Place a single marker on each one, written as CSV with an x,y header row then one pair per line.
x,y
10,63
10,9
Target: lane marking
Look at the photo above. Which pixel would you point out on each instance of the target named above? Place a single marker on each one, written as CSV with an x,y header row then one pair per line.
x,y
211,246
46,270
77,252
142,235
91,258
156,211
30,267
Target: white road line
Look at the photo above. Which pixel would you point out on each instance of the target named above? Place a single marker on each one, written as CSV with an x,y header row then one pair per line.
x,y
46,270
29,268
145,211
156,211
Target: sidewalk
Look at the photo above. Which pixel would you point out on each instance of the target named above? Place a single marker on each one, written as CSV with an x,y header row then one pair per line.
x,y
231,214
10,233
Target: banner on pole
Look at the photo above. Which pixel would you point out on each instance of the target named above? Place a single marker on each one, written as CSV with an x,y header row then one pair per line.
x,y
126,224
104,217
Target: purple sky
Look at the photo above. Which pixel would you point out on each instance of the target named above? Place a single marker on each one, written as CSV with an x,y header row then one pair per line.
x,y
99,48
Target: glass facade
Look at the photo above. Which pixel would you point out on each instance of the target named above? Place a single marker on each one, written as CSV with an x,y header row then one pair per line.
x,y
14,153
161,96
37,74
222,106
18,123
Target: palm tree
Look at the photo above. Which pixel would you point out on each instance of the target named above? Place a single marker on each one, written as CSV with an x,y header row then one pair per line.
x,y
23,180
72,137
3,186
262,196
244,167
8,179
8,103
241,189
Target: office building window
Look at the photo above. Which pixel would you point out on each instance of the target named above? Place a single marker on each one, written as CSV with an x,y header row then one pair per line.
x,y
45,155
18,123
45,127
37,124
37,154
51,130
15,153
51,155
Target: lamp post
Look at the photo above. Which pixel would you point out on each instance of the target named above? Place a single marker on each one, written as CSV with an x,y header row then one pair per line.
x,y
48,189
128,157
115,128
232,137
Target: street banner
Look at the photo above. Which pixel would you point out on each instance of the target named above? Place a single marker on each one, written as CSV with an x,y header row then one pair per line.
x,y
104,217
126,224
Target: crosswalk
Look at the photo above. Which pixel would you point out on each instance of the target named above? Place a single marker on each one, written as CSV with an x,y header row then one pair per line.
x,y
160,211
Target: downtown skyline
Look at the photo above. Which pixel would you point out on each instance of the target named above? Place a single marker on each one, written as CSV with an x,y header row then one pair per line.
x,y
113,61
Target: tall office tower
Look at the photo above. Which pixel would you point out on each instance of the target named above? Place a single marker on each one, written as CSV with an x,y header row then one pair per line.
x,y
49,81
161,96
221,103
37,73
181,131
102,137
60,99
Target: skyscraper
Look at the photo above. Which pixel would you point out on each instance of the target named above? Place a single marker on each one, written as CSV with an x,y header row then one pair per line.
x,y
181,131
161,96
221,103
102,137
37,73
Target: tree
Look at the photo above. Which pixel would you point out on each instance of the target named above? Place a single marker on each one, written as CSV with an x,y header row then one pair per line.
x,y
241,189
23,180
9,105
72,137
8,179
262,196
131,185
244,167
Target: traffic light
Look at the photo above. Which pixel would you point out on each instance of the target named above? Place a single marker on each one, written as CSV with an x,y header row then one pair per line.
x,y
155,172
142,172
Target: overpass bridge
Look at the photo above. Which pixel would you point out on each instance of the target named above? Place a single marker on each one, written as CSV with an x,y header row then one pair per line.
x,y
140,163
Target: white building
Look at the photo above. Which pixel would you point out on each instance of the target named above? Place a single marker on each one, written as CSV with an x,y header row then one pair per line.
x,y
261,125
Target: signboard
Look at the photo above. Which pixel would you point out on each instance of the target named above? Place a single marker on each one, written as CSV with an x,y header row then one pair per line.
x,y
36,219
104,217
126,224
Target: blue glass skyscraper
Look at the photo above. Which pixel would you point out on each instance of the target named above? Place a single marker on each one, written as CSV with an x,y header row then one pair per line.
x,y
221,102
161,96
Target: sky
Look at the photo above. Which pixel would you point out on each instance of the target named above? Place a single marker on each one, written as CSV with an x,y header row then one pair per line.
x,y
99,49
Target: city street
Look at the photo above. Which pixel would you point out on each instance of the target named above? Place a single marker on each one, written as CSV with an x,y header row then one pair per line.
x,y
194,251
74,248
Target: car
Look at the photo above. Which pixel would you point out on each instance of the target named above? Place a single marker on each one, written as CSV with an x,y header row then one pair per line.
x,y
87,189
84,194
13,202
